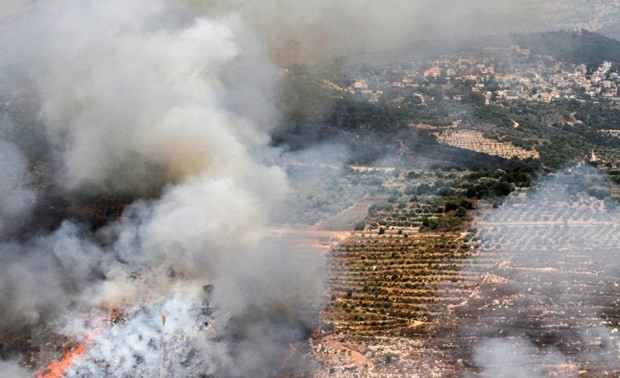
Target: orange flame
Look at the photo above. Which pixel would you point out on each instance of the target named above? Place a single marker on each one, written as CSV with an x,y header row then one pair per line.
x,y
57,369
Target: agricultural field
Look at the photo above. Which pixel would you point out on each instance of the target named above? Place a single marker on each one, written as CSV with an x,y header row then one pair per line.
x,y
535,278
611,133
474,141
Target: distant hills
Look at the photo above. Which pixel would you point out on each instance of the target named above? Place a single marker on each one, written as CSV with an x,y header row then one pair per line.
x,y
572,46
611,31
569,46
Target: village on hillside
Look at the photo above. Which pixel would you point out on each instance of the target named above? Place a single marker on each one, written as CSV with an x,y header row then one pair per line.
x,y
499,74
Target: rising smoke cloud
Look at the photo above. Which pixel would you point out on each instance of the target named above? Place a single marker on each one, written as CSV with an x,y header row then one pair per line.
x,y
136,96
144,98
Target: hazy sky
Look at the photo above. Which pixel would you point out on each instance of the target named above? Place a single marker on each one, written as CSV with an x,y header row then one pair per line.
x,y
294,30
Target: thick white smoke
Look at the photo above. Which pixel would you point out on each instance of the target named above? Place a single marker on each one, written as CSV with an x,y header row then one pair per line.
x,y
147,98
13,370
132,95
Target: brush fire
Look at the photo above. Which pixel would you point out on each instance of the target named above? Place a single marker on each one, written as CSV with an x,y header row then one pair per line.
x,y
146,172
59,368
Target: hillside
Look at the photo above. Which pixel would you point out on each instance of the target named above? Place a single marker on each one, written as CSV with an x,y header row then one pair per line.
x,y
482,254
548,93
572,46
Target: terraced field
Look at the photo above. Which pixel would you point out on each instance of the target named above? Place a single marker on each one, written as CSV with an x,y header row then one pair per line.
x,y
394,284
475,141
549,264
534,283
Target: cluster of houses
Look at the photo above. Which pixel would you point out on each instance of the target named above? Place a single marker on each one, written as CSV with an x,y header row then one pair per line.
x,y
503,74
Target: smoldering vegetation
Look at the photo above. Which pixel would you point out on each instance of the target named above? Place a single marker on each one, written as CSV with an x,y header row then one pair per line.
x,y
547,298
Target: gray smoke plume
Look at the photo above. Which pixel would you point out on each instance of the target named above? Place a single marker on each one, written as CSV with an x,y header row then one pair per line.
x,y
17,197
146,98
13,370
141,96
296,31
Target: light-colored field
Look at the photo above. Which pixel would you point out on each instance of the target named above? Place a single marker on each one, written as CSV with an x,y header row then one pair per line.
x,y
612,133
475,141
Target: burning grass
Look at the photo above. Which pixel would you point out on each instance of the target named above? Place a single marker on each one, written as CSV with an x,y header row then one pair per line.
x,y
59,368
